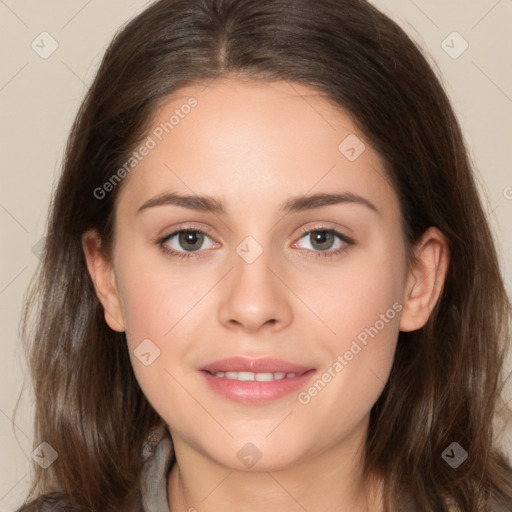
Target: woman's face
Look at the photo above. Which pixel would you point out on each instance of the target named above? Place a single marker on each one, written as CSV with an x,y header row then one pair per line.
x,y
295,265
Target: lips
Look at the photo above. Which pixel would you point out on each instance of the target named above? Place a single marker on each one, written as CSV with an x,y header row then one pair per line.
x,y
266,365
255,381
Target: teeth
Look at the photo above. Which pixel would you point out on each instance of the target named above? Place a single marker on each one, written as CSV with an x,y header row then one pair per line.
x,y
244,376
250,376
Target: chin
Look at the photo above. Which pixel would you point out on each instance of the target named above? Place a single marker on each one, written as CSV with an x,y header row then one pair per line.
x,y
257,456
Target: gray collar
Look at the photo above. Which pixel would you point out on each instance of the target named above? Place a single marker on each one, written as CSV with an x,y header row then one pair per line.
x,y
154,475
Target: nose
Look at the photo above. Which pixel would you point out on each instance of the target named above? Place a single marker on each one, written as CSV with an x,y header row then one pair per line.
x,y
254,295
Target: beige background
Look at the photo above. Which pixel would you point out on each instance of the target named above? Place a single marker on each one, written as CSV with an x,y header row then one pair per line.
x,y
39,98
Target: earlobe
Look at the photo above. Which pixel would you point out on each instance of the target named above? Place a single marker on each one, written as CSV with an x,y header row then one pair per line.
x,y
102,274
425,280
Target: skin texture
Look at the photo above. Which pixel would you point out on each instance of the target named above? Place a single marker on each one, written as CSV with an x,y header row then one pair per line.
x,y
253,146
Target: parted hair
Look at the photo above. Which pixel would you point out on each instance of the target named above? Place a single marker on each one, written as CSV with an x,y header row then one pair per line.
x,y
447,378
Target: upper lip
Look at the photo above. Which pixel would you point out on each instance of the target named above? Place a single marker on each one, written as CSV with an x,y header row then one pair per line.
x,y
262,365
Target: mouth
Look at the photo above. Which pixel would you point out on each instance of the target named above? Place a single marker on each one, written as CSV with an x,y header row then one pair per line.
x,y
258,377
255,381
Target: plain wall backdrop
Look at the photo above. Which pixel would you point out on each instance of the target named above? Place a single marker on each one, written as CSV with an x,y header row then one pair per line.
x,y
50,51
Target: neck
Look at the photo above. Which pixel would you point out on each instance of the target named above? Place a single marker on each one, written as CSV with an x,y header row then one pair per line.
x,y
330,481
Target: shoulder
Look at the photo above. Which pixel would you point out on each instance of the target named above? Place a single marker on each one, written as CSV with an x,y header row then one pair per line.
x,y
495,506
52,502
59,502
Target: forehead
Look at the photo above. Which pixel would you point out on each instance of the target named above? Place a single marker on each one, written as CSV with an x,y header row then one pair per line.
x,y
254,140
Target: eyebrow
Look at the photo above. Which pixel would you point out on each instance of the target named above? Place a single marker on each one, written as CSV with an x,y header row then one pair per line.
x,y
295,204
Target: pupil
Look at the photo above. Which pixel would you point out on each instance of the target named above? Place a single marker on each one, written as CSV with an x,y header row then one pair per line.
x,y
324,238
192,238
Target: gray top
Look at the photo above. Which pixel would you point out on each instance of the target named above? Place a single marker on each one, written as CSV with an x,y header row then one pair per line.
x,y
154,477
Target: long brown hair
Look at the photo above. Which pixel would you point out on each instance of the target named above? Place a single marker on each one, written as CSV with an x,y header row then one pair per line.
x,y
447,377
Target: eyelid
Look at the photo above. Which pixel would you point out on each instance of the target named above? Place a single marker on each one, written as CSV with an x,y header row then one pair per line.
x,y
329,254
348,241
206,230
185,227
324,227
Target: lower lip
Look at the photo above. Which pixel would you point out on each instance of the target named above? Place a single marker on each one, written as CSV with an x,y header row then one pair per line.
x,y
255,392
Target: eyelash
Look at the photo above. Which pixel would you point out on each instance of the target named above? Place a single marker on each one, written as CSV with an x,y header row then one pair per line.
x,y
304,231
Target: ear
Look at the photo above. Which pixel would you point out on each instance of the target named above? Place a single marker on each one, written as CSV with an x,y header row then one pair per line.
x,y
102,274
425,279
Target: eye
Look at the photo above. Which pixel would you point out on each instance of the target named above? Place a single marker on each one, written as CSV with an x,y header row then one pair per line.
x,y
323,241
183,243
188,242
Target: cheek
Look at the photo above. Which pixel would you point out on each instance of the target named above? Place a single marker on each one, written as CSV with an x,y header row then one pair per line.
x,y
144,301
156,299
357,363
158,313
355,295
360,305
163,311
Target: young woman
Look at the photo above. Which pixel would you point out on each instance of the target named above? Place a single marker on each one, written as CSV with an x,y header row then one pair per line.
x,y
268,281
